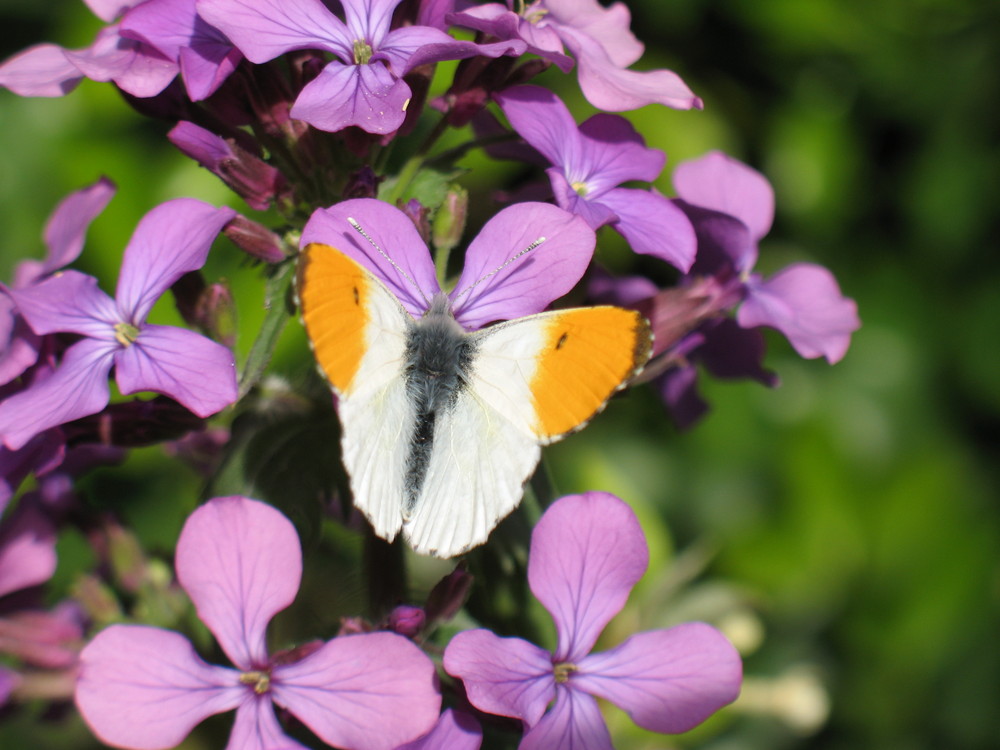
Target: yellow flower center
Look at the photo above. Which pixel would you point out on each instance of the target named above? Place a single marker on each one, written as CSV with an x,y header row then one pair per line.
x,y
563,670
126,334
261,681
362,52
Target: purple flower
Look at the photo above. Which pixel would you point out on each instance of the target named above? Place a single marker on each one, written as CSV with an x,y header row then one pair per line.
x,y
63,235
364,86
204,55
598,38
589,165
732,206
504,290
239,560
587,552
50,70
455,730
171,240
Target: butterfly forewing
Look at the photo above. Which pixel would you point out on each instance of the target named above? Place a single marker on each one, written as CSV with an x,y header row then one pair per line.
x,y
358,331
556,370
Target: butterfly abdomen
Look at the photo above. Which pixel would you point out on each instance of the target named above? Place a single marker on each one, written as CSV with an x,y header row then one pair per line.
x,y
438,359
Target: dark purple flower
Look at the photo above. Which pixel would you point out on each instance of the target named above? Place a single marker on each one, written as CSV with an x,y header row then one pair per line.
x,y
589,164
587,552
171,240
731,207
364,86
598,38
205,56
239,560
491,287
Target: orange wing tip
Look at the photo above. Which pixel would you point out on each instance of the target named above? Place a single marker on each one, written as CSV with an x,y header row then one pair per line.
x,y
588,355
332,293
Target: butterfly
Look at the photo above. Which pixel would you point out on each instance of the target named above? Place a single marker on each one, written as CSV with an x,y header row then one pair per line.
x,y
443,426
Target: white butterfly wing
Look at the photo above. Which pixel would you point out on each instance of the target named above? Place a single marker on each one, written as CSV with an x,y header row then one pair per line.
x,y
358,331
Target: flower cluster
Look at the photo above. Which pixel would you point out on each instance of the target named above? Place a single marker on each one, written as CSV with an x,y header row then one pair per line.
x,y
307,109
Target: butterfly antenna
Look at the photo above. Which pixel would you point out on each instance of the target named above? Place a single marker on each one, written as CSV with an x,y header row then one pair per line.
x,y
393,263
497,270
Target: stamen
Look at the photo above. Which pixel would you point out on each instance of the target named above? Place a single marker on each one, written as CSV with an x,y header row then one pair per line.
x,y
261,681
563,670
126,333
362,52
579,187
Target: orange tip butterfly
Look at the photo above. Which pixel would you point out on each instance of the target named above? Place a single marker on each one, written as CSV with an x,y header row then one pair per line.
x,y
442,427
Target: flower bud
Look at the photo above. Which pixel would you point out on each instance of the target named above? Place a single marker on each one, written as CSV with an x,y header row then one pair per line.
x,y
449,221
406,620
255,239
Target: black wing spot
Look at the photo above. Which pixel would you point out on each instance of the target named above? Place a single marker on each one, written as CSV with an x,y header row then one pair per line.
x,y
357,296
562,340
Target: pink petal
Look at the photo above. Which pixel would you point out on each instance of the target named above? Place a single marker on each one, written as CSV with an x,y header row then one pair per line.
x,y
804,302
27,551
587,551
410,47
191,369
616,153
607,26
455,730
721,183
541,118
67,227
264,29
18,343
653,225
78,388
369,19
70,302
109,10
493,286
42,70
257,728
239,560
145,688
574,723
667,680
169,241
372,691
368,96
394,233
502,676
136,67
617,89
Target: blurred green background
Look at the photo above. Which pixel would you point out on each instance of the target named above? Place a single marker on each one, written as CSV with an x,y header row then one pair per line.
x,y
844,528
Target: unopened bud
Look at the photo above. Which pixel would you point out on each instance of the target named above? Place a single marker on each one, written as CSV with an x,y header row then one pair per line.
x,y
406,620
449,221
253,179
255,239
448,595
